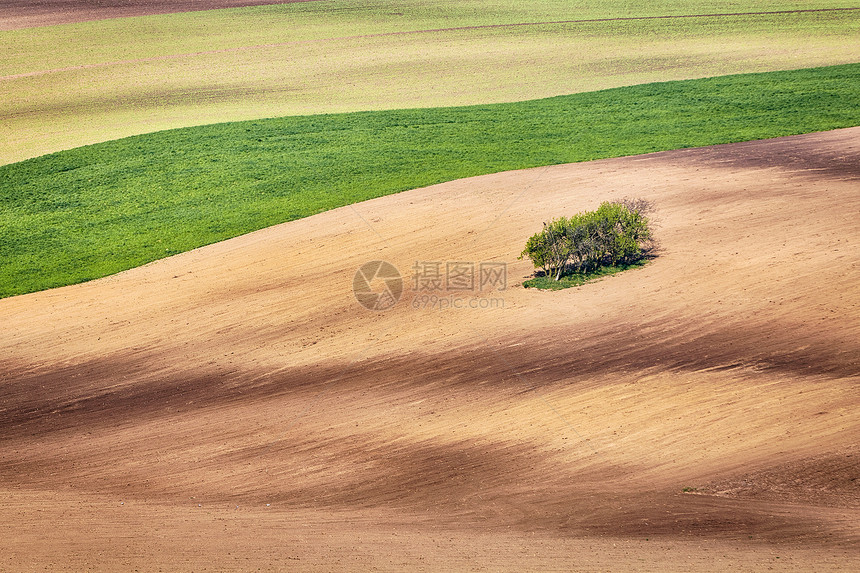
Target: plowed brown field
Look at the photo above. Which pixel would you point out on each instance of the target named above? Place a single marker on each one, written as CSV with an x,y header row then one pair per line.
x,y
234,407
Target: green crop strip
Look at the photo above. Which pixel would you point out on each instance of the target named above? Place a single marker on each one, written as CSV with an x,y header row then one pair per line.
x,y
96,210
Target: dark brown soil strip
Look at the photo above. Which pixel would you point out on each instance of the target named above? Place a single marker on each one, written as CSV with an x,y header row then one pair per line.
x,y
17,14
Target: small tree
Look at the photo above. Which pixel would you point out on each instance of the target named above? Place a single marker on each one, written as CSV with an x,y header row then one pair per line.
x,y
538,250
550,249
623,232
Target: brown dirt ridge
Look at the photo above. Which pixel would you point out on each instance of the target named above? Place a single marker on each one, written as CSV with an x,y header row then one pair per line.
x,y
17,14
236,408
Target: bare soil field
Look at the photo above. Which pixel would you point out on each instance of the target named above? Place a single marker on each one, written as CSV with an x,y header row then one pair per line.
x,y
16,14
236,408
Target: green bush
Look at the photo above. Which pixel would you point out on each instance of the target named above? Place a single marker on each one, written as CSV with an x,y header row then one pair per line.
x,y
617,233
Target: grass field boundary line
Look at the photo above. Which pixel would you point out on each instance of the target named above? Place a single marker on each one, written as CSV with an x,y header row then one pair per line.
x,y
93,211
408,32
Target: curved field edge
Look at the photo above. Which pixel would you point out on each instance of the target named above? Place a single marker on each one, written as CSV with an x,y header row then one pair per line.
x,y
200,68
90,212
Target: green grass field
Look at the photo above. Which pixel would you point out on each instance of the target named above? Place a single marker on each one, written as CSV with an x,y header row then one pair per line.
x,y
93,211
543,282
115,78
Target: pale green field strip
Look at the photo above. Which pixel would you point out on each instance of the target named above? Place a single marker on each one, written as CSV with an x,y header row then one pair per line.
x,y
428,31
205,67
107,40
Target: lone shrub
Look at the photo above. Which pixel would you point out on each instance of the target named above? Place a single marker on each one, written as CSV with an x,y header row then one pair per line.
x,y
618,233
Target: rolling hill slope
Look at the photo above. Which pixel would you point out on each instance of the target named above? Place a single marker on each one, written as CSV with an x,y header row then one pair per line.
x,y
236,405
